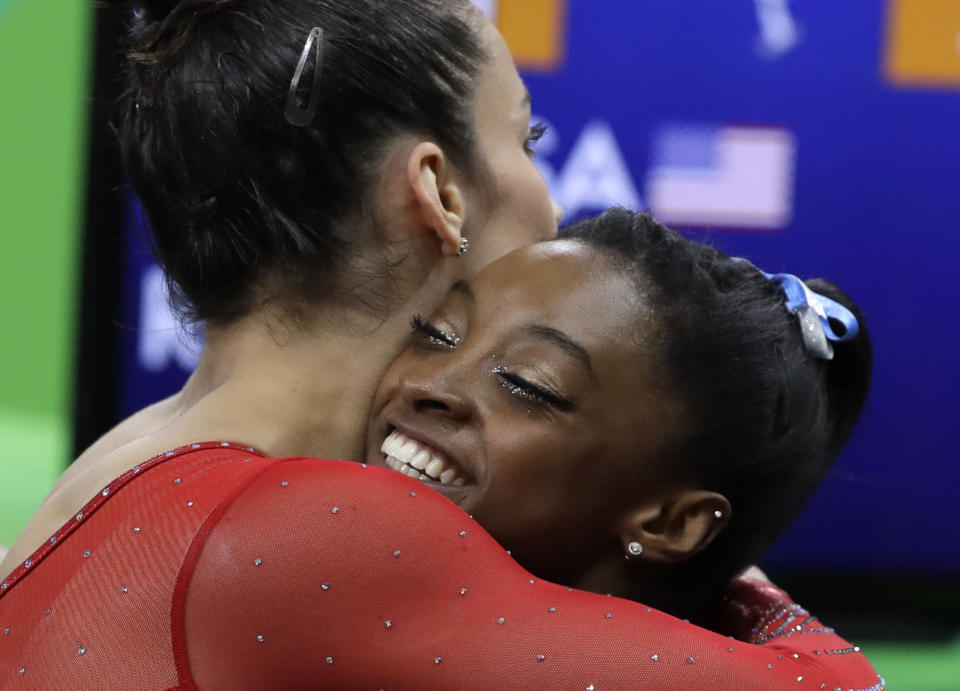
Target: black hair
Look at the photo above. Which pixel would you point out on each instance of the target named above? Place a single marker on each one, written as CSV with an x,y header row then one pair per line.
x,y
237,196
763,419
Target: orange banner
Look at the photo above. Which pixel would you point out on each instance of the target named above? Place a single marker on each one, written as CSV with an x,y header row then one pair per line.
x,y
535,30
923,43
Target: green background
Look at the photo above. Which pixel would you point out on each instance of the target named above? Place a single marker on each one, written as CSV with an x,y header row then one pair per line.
x,y
45,58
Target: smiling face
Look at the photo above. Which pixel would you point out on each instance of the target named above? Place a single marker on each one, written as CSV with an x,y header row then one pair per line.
x,y
528,399
516,209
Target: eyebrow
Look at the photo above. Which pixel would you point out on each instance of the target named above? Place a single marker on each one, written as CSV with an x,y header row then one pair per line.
x,y
565,343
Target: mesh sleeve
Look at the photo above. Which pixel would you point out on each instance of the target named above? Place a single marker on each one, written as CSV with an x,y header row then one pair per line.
x,y
327,574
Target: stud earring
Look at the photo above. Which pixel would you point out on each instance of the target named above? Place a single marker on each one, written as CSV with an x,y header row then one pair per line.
x,y
718,514
634,549
464,247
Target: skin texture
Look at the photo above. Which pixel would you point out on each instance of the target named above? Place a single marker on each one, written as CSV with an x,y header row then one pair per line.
x,y
300,389
562,460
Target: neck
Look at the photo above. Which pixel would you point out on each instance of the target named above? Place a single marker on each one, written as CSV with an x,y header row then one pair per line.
x,y
297,391
655,585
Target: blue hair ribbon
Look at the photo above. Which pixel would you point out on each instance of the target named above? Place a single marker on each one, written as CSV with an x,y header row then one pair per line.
x,y
815,312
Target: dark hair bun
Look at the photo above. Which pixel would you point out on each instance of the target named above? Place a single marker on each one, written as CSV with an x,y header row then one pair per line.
x,y
849,373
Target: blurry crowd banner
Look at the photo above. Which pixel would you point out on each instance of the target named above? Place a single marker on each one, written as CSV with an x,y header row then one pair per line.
x,y
818,137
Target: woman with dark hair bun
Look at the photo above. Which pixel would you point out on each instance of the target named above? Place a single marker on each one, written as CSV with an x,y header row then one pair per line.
x,y
314,172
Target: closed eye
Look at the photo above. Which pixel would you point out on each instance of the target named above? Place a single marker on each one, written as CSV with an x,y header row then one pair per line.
x,y
527,390
432,334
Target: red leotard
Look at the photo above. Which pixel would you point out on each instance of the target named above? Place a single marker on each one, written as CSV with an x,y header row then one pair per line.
x,y
215,567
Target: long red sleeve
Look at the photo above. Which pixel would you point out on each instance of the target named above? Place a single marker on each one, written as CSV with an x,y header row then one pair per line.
x,y
356,578
216,567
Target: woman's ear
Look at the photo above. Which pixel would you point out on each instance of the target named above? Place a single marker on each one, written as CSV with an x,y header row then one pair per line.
x,y
437,195
675,528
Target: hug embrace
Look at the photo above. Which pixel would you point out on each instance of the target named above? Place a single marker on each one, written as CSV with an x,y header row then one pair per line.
x,y
580,445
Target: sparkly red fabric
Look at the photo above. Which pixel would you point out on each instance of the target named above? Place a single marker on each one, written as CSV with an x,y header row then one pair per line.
x,y
214,567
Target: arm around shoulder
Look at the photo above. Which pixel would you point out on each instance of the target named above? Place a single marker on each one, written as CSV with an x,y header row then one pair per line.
x,y
327,573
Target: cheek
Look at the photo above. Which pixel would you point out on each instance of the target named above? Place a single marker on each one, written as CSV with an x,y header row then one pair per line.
x,y
387,389
522,216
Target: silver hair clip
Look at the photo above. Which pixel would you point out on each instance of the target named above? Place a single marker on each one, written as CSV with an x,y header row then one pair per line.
x,y
296,113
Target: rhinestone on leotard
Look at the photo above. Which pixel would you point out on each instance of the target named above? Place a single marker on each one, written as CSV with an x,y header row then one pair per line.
x,y
329,660
257,561
81,650
501,620
463,591
335,510
552,609
437,660
80,516
178,481
260,638
324,586
86,553
655,658
689,660
463,533
397,553
388,624
189,504
541,658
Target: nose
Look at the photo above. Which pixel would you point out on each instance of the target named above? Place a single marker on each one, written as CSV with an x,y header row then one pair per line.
x,y
442,394
557,210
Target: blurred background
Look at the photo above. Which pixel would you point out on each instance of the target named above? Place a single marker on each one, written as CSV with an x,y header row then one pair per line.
x,y
817,137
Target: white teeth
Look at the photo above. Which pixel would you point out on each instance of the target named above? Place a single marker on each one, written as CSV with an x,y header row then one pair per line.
x,y
435,468
393,443
420,460
407,451
408,457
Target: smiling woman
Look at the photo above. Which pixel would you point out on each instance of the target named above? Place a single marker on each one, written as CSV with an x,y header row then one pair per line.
x,y
624,392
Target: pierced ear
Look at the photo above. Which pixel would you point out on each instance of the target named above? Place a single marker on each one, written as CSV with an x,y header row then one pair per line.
x,y
437,195
677,528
